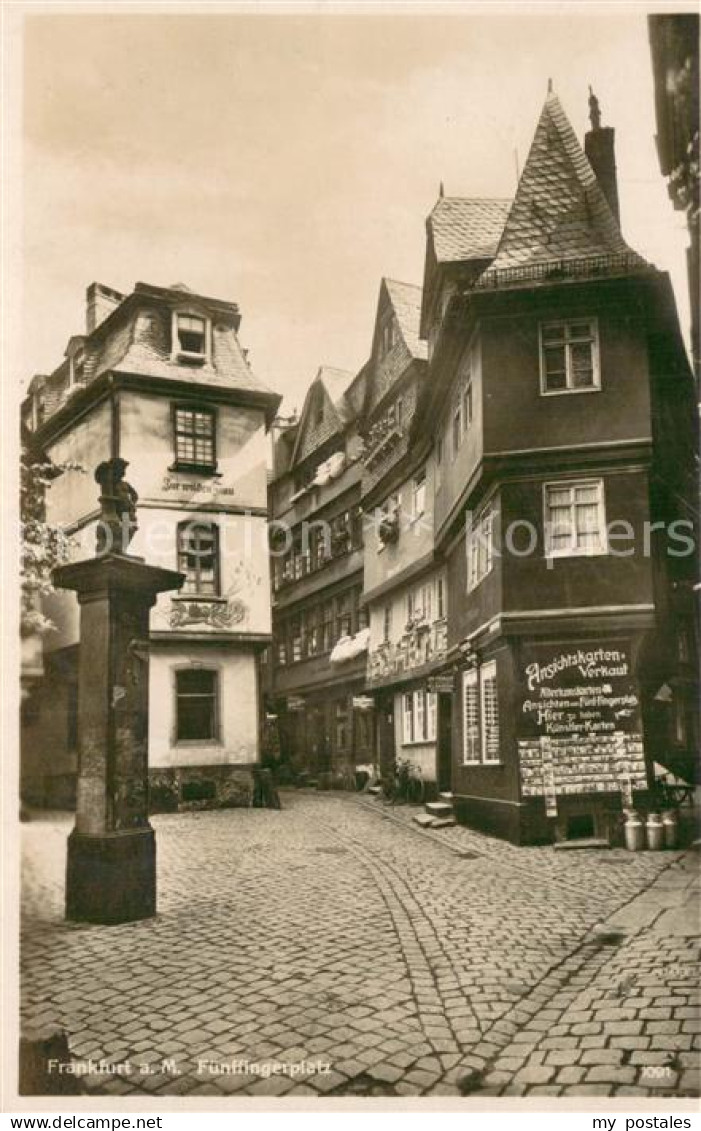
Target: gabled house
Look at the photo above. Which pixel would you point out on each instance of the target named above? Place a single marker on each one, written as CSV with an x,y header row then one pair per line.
x,y
404,587
560,400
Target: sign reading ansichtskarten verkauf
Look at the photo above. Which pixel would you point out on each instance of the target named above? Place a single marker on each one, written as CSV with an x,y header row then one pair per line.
x,y
579,723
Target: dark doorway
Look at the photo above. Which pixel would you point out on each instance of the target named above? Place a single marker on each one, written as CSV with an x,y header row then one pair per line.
x,y
445,742
580,826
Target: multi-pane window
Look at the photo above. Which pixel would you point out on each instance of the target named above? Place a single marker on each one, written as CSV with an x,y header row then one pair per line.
x,y
198,557
387,623
196,705
191,334
489,712
480,549
388,335
195,437
440,599
569,356
419,717
419,495
574,520
480,715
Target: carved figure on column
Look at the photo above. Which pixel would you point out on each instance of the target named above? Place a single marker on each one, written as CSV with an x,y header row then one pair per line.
x,y
117,522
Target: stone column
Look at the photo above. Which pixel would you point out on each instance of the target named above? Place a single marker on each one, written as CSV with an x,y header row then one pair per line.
x,y
111,868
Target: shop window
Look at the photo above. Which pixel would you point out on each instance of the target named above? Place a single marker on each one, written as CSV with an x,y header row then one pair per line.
x,y
569,357
575,520
328,638
195,439
480,550
481,715
471,725
196,696
198,557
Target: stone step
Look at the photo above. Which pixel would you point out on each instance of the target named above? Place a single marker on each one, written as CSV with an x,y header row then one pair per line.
x,y
443,822
374,789
424,819
439,808
446,796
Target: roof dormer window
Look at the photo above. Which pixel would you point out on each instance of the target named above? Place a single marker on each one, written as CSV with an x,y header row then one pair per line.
x,y
190,337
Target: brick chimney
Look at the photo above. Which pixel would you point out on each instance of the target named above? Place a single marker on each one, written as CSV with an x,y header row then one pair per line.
x,y
599,148
100,302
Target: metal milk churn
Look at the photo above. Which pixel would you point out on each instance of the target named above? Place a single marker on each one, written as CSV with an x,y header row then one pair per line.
x,y
655,831
671,827
634,831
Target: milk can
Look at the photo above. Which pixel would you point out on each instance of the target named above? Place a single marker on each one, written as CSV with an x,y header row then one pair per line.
x,y
655,831
671,827
634,831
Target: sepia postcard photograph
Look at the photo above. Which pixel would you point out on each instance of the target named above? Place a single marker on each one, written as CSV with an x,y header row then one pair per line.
x,y
350,487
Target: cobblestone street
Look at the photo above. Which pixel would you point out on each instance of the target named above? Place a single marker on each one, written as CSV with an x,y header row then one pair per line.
x,y
372,958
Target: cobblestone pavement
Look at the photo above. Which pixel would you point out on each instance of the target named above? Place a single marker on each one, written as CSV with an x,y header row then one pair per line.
x,y
371,958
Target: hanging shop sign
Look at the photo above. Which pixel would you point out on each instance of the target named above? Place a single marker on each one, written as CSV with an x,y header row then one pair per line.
x,y
579,722
363,703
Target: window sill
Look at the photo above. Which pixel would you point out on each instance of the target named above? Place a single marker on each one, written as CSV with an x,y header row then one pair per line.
x,y
198,742
483,762
556,555
196,469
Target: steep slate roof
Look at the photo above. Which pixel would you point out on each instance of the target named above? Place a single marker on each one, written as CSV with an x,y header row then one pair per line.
x,y
406,303
333,384
336,382
559,211
463,228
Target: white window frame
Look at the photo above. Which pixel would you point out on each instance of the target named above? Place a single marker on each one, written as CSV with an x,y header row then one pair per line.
x,y
418,495
595,387
419,715
479,547
570,551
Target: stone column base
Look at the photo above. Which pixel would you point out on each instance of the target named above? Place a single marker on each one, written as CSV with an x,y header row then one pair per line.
x,y
111,878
